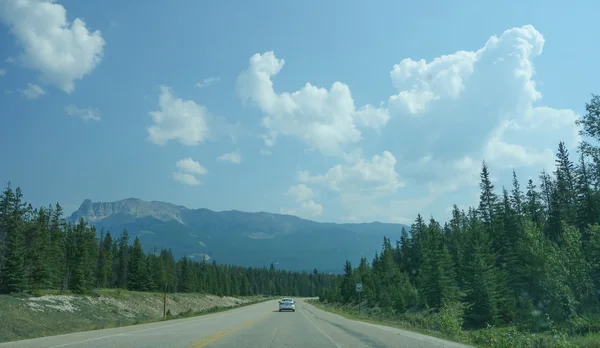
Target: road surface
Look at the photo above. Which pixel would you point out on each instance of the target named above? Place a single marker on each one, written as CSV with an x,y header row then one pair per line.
x,y
257,326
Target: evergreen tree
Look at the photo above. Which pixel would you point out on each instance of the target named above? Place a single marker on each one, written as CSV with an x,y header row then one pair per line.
x,y
136,268
14,272
123,260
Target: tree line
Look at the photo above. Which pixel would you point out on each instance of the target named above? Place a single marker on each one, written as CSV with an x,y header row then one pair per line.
x,y
528,256
39,250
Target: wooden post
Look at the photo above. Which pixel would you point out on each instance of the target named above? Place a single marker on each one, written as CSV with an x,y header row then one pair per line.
x,y
359,302
165,304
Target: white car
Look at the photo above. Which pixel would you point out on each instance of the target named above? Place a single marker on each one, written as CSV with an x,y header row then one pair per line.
x,y
287,304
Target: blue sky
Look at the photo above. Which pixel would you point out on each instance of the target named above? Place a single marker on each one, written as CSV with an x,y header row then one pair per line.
x,y
330,110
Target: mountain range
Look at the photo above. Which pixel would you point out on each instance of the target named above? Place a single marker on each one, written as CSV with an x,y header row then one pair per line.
x,y
236,237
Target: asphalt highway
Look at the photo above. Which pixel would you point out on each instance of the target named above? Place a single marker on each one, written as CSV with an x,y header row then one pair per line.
x,y
257,326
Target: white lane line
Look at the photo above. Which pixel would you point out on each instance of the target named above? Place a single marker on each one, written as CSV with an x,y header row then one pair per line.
x,y
88,340
274,337
321,331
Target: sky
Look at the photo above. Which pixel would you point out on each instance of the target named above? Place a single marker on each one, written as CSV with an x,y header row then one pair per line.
x,y
340,110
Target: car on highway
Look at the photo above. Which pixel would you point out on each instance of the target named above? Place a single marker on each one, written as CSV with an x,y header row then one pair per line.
x,y
287,304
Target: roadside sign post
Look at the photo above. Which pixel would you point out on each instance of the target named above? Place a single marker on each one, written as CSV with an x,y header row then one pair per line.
x,y
165,304
359,289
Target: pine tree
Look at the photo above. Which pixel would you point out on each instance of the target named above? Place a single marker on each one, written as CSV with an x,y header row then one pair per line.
x,y
533,205
136,268
105,261
57,257
437,281
123,260
590,126
487,200
348,290
586,202
14,272
39,252
517,198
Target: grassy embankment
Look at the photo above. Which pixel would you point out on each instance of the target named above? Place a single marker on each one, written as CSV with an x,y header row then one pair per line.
x,y
48,313
443,325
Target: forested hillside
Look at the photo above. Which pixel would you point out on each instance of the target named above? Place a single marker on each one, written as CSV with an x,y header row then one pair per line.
x,y
526,256
39,251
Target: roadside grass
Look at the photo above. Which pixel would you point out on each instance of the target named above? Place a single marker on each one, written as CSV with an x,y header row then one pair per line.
x,y
587,341
445,325
22,318
189,313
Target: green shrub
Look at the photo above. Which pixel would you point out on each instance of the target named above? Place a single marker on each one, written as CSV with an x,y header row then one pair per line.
x,y
449,320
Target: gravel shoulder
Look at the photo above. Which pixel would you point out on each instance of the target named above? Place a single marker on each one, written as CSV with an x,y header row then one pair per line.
x,y
25,317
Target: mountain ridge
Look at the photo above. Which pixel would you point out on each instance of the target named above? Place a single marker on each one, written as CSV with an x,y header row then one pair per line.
x,y
133,199
251,239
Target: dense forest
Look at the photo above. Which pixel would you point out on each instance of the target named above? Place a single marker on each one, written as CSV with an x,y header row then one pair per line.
x,y
525,256
40,251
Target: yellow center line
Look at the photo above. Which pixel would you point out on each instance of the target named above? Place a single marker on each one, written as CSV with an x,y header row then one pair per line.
x,y
210,339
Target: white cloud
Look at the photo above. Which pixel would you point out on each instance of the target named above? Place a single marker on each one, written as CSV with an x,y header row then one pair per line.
x,y
85,114
461,102
190,166
207,82
2,72
479,104
178,119
449,114
369,177
265,152
184,178
359,184
300,192
61,51
303,196
190,169
306,209
326,120
516,143
231,157
32,91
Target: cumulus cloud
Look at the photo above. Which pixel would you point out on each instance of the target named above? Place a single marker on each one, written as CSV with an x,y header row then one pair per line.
x,y
178,119
450,112
61,51
303,195
189,171
360,184
231,157
32,91
185,178
190,166
375,176
85,114
461,108
326,120
207,82
2,73
306,209
300,192
457,104
186,121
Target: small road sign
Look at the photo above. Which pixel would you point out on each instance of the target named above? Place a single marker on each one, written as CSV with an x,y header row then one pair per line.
x,y
359,287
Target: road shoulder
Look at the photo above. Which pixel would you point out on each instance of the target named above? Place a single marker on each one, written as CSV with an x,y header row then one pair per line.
x,y
326,312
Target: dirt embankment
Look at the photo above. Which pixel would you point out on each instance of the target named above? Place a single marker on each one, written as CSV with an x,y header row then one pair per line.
x,y
52,314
